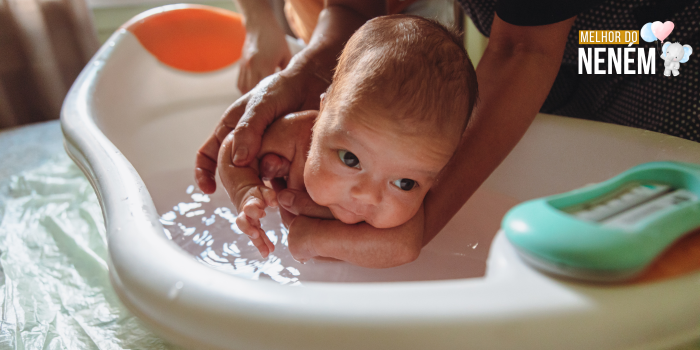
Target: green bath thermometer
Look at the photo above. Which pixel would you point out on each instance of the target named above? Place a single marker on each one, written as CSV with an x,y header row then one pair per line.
x,y
610,231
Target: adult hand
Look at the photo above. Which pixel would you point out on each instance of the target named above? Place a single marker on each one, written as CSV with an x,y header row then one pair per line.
x,y
264,51
297,87
291,202
250,115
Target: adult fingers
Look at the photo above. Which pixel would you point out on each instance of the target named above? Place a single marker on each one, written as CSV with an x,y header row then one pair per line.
x,y
275,96
278,184
258,114
286,57
244,79
299,203
204,173
254,72
207,155
225,170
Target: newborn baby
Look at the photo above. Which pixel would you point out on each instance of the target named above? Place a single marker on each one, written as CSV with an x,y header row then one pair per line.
x,y
401,96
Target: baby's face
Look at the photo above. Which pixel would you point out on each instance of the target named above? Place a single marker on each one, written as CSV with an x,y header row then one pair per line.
x,y
365,170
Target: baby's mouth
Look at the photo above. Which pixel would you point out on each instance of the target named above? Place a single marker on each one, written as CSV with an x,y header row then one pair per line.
x,y
344,212
355,211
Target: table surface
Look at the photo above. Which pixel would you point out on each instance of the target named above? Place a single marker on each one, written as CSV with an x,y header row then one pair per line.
x,y
26,147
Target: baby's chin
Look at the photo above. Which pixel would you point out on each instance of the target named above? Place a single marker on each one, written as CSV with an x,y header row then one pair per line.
x,y
345,216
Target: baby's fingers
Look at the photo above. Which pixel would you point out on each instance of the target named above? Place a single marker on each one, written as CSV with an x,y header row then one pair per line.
x,y
255,233
267,242
254,208
262,242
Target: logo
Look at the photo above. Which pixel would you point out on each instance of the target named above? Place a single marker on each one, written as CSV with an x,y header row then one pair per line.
x,y
630,60
673,54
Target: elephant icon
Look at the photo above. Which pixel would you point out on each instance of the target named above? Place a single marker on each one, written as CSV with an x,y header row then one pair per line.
x,y
674,54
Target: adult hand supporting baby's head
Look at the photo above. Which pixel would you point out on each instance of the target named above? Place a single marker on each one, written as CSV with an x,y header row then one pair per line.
x,y
292,202
299,203
290,90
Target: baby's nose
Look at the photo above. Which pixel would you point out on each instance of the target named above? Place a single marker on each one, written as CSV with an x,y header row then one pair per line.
x,y
367,190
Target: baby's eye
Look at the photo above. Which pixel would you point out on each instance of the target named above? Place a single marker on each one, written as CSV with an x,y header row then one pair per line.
x,y
349,159
405,184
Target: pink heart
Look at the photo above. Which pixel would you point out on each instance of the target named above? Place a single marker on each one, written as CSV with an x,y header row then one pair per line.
x,y
662,30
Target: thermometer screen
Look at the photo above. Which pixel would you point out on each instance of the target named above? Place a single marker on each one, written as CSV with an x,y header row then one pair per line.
x,y
631,203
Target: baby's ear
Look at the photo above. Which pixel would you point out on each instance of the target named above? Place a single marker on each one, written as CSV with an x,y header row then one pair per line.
x,y
323,99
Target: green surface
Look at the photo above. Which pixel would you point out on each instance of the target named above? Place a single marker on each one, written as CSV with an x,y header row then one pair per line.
x,y
539,229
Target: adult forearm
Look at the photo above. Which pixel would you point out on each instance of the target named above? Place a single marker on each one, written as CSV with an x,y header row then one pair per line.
x,y
336,24
256,13
514,81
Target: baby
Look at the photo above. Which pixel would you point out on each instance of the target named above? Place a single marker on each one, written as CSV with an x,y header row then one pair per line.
x,y
402,93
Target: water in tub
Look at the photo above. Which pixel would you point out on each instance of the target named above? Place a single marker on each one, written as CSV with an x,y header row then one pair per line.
x,y
204,225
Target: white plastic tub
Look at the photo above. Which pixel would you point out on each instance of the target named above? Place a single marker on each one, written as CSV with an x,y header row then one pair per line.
x,y
133,124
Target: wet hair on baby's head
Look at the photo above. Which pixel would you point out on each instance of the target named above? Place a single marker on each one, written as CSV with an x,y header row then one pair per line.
x,y
410,66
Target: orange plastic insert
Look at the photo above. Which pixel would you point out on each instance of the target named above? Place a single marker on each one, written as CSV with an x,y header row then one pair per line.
x,y
193,38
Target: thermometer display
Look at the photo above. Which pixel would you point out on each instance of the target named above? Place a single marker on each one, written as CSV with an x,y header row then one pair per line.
x,y
631,203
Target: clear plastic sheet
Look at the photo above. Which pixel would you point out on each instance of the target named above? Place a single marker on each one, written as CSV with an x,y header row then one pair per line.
x,y
54,284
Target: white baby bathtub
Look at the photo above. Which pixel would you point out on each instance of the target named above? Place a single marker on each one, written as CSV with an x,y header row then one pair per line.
x,y
130,121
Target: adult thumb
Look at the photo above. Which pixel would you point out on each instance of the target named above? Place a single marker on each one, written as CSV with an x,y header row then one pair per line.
x,y
299,203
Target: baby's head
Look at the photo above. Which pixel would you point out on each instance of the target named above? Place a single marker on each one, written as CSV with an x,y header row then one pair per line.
x,y
401,96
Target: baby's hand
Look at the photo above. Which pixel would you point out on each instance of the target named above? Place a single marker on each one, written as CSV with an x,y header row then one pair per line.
x,y
248,194
250,210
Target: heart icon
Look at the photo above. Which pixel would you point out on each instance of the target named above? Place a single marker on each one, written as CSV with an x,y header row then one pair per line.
x,y
662,30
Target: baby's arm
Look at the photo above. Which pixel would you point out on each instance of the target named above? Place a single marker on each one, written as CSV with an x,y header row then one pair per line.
x,y
360,244
243,184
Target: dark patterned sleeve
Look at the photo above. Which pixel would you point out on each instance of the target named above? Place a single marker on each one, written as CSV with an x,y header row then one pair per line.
x,y
540,12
